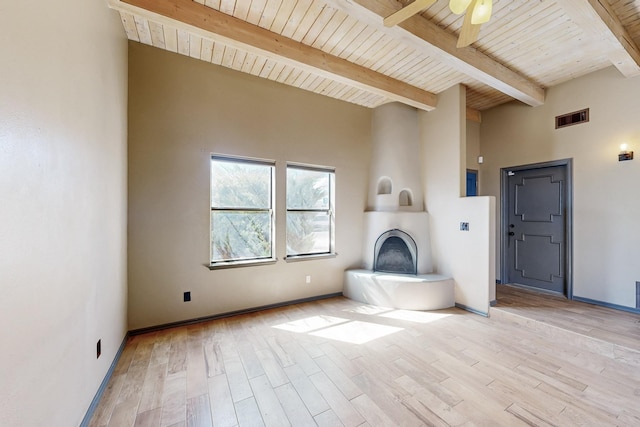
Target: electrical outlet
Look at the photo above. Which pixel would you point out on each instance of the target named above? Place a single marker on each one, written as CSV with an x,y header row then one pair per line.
x,y
308,279
187,296
464,226
98,348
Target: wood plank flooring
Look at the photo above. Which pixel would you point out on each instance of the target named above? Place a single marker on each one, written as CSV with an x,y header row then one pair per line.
x,y
338,362
613,327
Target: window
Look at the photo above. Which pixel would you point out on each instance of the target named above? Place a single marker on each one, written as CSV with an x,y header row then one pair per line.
x,y
310,211
241,210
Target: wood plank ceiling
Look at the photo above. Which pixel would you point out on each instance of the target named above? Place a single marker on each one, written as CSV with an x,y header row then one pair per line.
x,y
341,49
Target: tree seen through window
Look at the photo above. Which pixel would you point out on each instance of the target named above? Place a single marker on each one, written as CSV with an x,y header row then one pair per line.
x,y
309,211
241,210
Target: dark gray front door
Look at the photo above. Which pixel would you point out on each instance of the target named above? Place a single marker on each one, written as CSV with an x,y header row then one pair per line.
x,y
536,227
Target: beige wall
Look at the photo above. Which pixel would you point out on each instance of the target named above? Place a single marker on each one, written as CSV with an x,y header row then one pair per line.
x,y
180,111
473,144
467,256
63,86
606,206
443,139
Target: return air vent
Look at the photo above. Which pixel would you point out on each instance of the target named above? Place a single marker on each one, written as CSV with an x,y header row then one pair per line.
x,y
571,119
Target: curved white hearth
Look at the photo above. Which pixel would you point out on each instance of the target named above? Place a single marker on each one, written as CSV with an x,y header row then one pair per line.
x,y
401,291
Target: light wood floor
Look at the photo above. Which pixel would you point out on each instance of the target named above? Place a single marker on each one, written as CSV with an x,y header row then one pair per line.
x,y
622,329
336,362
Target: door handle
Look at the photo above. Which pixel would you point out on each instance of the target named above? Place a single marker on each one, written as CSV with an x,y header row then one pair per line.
x,y
510,234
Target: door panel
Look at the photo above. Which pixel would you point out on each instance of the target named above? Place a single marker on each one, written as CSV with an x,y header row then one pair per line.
x,y
538,257
538,199
536,251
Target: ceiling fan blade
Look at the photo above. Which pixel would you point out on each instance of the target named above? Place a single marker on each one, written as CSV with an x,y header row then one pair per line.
x,y
482,12
459,6
469,32
407,12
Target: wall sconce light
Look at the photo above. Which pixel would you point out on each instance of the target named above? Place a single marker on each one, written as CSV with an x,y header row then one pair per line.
x,y
624,154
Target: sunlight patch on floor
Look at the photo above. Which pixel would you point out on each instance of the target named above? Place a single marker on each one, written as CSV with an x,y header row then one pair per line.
x,y
409,315
368,309
309,324
356,332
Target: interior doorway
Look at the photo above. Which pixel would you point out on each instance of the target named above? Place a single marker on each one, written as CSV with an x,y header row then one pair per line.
x,y
472,182
536,226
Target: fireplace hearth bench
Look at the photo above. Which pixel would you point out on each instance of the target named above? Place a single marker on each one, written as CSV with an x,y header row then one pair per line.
x,y
400,291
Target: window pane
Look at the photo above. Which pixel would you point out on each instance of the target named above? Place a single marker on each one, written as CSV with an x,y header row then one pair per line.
x,y
307,189
308,233
240,185
240,235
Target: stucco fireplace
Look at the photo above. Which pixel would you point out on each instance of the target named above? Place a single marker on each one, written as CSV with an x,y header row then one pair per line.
x,y
397,249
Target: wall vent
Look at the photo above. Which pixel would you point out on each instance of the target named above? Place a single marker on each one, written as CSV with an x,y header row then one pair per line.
x,y
571,119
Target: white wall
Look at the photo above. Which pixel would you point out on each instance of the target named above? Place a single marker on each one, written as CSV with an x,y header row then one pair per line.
x,y
180,111
63,86
605,204
474,253
395,144
467,256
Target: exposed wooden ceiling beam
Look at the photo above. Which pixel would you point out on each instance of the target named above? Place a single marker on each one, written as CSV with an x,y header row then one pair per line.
x,y
234,32
474,115
597,18
442,45
407,12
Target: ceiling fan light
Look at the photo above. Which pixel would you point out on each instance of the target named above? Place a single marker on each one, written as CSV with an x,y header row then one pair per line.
x,y
482,12
459,6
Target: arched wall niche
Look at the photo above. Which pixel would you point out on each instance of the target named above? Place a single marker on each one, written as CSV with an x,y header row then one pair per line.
x,y
385,185
405,198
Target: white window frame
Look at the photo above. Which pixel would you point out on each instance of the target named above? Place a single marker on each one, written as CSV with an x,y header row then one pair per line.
x,y
330,212
240,262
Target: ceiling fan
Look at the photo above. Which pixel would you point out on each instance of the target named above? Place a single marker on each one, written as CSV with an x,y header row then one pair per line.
x,y
477,13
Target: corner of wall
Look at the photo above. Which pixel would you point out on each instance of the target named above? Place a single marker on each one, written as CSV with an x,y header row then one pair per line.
x,y
463,255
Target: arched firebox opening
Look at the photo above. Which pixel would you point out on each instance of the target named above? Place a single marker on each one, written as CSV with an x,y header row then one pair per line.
x,y
395,252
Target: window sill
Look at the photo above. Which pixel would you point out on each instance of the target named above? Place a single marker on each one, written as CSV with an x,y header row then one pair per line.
x,y
296,258
237,264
